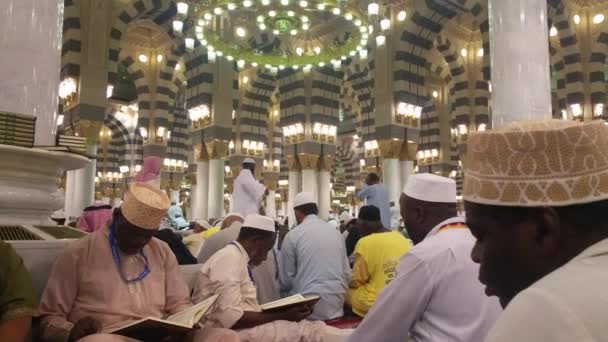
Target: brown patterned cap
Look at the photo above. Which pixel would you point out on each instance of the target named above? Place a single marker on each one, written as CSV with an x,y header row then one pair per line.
x,y
534,164
144,205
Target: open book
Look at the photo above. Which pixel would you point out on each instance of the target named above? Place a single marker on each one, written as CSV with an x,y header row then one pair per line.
x,y
151,328
289,302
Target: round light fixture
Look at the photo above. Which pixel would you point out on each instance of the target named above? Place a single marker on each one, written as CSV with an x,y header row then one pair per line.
x,y
401,15
598,18
240,31
577,19
553,31
143,58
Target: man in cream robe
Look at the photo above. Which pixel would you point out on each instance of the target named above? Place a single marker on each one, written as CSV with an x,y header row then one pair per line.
x,y
117,275
248,192
227,273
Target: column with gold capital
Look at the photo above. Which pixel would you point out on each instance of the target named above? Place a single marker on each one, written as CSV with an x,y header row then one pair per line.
x,y
407,156
324,189
271,180
217,151
293,164
390,150
200,208
309,163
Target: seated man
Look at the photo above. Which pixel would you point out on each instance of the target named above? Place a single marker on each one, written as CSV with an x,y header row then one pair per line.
x,y
227,273
435,295
313,260
17,301
267,284
376,259
117,275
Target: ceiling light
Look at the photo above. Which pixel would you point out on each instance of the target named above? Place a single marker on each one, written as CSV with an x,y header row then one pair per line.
x,y
240,31
304,19
275,32
265,2
189,43
577,19
553,31
217,10
321,7
317,49
480,52
260,18
401,15
230,58
182,8
598,18
357,22
385,24
305,27
245,79
262,27
303,3
207,16
285,2
336,11
240,64
299,51
464,52
348,16
178,25
143,58
159,58
363,54
435,94
272,14
247,3
380,40
231,7
291,13
293,32
373,8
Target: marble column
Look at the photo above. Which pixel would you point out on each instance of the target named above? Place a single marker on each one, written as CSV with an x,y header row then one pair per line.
x,y
271,204
294,189
407,169
84,181
521,86
31,56
294,182
193,203
202,190
390,177
174,196
309,164
324,193
70,177
216,189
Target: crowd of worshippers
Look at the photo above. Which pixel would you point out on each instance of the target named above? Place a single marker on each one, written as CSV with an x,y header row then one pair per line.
x,y
528,261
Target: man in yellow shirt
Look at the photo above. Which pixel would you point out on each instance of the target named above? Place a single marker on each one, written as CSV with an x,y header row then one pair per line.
x,y
377,256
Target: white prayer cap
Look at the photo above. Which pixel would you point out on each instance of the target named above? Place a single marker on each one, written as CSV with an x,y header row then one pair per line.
x,y
345,216
259,222
431,188
303,198
248,161
234,214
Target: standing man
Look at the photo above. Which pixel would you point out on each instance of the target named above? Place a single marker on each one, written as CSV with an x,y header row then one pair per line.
x,y
375,194
313,260
536,198
117,275
248,193
436,295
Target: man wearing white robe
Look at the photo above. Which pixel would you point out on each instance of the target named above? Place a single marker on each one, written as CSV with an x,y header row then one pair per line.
x,y
248,192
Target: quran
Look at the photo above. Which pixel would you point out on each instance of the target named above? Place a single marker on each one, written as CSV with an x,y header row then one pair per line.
x,y
151,328
289,302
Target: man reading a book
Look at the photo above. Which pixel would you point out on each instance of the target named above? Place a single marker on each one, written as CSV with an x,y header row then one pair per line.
x,y
227,273
118,275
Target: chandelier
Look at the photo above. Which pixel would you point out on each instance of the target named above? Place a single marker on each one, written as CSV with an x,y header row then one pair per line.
x,y
281,19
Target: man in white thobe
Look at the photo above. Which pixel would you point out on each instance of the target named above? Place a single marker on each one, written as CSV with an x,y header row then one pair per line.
x,y
227,273
436,295
313,260
248,193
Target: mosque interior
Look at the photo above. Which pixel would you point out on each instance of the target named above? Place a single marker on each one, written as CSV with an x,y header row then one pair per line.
x,y
319,92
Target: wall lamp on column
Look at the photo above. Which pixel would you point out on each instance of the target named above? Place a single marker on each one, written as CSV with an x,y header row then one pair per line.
x,y
577,111
408,114
598,111
200,116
